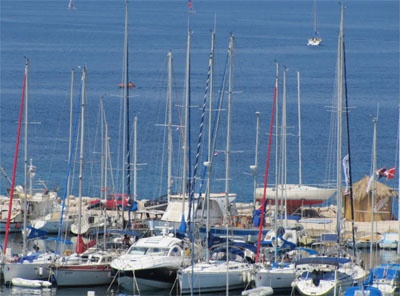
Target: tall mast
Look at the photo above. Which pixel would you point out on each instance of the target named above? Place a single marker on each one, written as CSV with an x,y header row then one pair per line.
x,y
21,110
169,98
299,124
26,166
81,154
126,176
186,125
228,129
255,166
339,70
208,163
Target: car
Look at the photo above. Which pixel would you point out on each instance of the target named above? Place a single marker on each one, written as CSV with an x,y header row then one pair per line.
x,y
112,202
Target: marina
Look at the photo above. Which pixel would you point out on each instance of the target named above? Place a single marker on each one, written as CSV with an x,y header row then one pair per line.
x,y
206,161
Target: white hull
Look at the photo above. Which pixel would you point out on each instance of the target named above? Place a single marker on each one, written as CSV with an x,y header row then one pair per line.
x,y
297,192
127,283
52,226
83,276
213,277
276,278
314,41
28,271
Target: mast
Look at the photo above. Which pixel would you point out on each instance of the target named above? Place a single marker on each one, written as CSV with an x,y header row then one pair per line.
x,y
126,176
81,155
26,167
186,129
315,18
299,124
339,110
283,148
267,163
255,166
373,192
228,129
21,109
169,98
228,152
208,163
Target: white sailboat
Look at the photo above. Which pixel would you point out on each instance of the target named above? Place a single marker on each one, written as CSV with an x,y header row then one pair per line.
x,y
316,39
71,5
332,273
86,267
32,265
229,267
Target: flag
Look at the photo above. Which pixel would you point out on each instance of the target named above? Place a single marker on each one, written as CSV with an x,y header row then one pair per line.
x,y
383,172
346,169
190,6
390,173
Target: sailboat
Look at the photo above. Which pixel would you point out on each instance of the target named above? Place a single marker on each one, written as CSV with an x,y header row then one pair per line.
x,y
71,5
332,273
316,39
229,265
86,267
33,265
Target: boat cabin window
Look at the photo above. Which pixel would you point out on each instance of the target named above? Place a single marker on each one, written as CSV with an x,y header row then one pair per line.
x,y
137,251
157,251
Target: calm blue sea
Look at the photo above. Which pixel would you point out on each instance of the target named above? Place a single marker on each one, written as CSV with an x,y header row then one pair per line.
x,y
57,40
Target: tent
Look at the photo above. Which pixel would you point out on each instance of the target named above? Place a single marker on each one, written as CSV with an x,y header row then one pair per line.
x,y
362,196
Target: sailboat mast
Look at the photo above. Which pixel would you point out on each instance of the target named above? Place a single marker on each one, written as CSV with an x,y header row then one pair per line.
x,y
283,147
276,145
255,166
186,124
340,70
228,129
126,176
134,156
373,192
81,151
25,202
208,164
299,124
315,17
21,110
169,98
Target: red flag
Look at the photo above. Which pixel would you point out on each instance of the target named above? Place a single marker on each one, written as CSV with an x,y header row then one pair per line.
x,y
383,172
390,173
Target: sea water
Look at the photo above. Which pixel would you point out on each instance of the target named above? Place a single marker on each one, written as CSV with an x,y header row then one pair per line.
x,y
57,40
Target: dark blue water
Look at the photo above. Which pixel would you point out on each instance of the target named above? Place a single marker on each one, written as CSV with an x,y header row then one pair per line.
x,y
56,40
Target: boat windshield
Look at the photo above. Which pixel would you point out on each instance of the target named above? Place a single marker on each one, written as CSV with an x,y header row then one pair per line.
x,y
148,251
137,251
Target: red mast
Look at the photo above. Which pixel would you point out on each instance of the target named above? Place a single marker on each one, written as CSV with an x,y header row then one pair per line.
x,y
21,112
